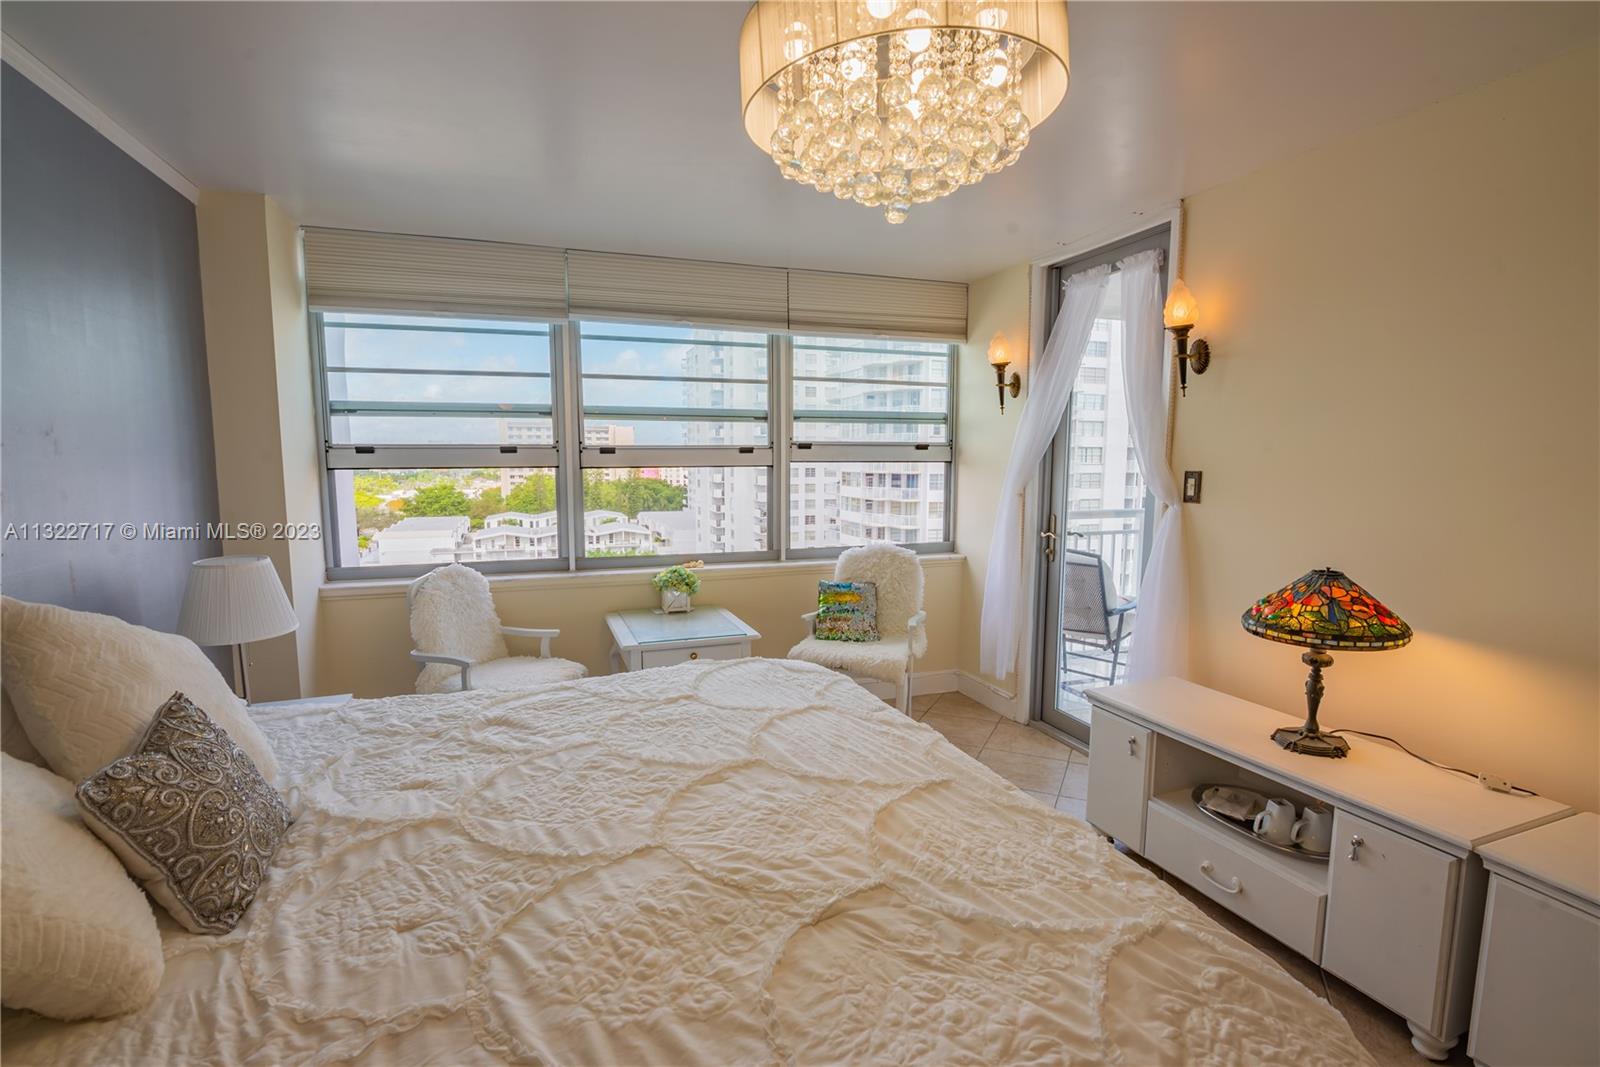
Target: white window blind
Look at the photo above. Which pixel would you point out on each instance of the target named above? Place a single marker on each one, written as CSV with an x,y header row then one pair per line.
x,y
603,285
865,305
354,270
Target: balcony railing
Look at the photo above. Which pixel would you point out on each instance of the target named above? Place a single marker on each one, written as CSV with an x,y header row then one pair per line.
x,y
1116,535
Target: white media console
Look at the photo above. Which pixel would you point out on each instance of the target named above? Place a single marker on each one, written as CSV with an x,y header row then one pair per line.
x,y
1396,910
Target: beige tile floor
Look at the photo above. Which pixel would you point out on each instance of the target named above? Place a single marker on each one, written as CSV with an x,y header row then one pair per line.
x,y
1057,775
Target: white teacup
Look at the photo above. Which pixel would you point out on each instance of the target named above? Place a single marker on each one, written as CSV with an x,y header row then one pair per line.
x,y
1275,822
1314,829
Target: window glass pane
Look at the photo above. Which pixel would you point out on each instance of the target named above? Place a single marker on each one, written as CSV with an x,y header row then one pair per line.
x,y
430,430
666,386
878,391
842,504
424,342
666,433
674,511
411,379
411,517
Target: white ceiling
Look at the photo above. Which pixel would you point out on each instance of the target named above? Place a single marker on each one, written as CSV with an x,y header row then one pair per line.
x,y
616,126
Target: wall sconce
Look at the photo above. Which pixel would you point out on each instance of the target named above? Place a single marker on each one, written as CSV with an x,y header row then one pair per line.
x,y
1000,359
1179,316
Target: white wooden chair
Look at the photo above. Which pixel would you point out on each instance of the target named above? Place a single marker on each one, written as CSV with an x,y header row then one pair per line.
x,y
461,645
897,574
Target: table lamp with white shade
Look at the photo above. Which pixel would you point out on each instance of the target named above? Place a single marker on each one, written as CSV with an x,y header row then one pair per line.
x,y
234,600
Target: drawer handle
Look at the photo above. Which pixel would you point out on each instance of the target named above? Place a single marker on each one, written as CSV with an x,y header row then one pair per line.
x,y
694,655
1132,743
1232,886
1356,841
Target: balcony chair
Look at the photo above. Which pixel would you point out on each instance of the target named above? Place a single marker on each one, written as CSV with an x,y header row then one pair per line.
x,y
1092,613
461,645
897,574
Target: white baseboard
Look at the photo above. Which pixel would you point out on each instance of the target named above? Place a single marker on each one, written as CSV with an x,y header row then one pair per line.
x,y
990,696
922,683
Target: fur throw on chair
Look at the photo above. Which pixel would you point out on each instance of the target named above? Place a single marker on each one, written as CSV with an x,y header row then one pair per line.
x,y
453,614
897,573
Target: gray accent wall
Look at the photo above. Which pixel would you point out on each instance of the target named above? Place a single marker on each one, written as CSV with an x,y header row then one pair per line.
x,y
104,406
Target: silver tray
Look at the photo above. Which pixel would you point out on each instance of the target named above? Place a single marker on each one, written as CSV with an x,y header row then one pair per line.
x,y
1245,829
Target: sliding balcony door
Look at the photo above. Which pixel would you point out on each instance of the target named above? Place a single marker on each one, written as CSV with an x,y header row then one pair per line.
x,y
1095,534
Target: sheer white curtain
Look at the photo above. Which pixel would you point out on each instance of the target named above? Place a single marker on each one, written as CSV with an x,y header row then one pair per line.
x,y
1161,627
1053,374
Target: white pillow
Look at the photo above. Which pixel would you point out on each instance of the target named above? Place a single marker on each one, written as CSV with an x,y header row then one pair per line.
x,y
77,938
86,686
13,739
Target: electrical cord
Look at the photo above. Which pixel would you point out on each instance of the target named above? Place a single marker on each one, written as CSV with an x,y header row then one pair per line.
x,y
1424,759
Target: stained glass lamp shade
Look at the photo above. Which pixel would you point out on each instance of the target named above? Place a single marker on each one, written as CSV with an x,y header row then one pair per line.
x,y
1322,610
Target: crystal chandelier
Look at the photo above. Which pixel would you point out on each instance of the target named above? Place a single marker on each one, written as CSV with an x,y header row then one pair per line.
x,y
897,102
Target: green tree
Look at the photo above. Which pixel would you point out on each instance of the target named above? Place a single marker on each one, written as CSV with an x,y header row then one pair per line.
x,y
440,498
378,518
489,502
631,495
534,495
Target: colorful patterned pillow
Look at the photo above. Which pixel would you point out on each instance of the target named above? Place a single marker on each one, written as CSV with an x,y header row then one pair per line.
x,y
190,817
847,611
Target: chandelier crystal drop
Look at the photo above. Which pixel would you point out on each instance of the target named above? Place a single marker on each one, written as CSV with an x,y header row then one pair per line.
x,y
892,103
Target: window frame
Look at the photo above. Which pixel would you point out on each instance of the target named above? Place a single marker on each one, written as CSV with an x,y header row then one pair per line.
x,y
942,455
598,457
569,456
337,457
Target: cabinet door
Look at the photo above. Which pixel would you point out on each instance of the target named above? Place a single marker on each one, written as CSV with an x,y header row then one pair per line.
x,y
1119,778
1391,906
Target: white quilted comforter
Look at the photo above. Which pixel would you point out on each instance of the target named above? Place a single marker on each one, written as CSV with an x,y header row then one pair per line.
x,y
745,862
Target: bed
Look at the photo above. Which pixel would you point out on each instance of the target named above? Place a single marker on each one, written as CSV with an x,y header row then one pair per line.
x,y
737,862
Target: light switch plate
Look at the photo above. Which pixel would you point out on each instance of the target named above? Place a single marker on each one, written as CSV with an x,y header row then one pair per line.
x,y
1191,486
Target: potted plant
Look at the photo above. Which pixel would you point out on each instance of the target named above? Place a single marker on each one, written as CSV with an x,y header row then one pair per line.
x,y
677,584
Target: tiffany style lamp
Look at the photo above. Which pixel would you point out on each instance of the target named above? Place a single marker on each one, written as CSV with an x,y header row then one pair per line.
x,y
1319,611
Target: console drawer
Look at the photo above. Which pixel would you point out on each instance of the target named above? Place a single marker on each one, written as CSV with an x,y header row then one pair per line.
x,y
1265,890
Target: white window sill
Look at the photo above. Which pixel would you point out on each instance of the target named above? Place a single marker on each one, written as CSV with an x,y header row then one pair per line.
x,y
358,589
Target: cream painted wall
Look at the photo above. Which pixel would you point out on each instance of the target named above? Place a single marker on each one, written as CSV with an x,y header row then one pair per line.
x,y
1000,304
365,632
258,360
1404,385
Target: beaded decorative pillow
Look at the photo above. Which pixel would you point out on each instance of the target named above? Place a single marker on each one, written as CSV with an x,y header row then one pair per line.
x,y
190,817
847,611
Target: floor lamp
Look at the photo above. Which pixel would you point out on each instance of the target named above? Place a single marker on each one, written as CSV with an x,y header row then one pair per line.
x,y
233,600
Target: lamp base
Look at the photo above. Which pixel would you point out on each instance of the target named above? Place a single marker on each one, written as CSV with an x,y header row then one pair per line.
x,y
1311,743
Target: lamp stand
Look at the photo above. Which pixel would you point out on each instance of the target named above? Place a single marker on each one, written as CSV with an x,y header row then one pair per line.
x,y
1308,739
241,681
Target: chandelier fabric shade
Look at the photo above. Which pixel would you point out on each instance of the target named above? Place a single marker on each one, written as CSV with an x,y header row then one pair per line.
x,y
892,103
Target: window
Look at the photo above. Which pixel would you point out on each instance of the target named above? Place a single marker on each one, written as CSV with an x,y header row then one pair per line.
x,y
1087,480
676,439
516,445
1093,375
1089,429
877,414
423,418
1085,401
1088,455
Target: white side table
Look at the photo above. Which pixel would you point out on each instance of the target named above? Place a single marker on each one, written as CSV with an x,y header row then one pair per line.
x,y
649,638
1539,964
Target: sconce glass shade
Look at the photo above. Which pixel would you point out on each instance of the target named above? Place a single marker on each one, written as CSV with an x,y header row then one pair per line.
x,y
1325,609
1181,309
998,352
